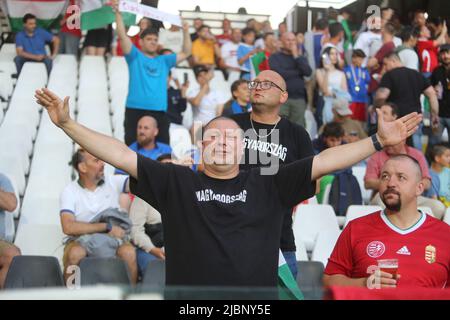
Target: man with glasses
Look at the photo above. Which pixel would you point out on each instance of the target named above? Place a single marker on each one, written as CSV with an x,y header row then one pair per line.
x,y
292,67
271,140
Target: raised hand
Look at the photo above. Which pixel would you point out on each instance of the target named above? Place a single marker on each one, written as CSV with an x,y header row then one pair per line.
x,y
115,5
394,132
57,109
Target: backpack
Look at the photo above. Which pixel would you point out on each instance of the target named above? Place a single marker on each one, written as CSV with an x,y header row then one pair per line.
x,y
344,192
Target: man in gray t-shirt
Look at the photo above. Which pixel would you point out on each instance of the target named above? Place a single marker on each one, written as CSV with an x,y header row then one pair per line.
x,y
8,202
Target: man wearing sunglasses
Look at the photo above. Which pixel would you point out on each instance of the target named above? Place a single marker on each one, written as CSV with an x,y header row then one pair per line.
x,y
271,140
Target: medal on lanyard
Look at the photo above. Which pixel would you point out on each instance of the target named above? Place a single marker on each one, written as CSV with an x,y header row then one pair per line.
x,y
357,87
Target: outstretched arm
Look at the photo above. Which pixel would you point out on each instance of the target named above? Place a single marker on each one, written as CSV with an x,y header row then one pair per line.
x,y
344,156
101,146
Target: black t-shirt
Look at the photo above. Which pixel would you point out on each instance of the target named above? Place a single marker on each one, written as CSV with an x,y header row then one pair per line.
x,y
406,86
293,144
442,76
221,232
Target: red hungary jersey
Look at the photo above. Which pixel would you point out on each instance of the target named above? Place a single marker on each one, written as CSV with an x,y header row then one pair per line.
x,y
423,251
428,55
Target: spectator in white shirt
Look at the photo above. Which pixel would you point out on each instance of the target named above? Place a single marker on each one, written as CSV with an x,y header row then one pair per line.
x,y
82,200
229,51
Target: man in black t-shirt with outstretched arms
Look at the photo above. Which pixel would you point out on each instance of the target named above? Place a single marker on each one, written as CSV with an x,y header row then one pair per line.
x,y
222,227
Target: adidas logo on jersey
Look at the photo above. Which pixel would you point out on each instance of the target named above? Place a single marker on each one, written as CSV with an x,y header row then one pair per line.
x,y
404,251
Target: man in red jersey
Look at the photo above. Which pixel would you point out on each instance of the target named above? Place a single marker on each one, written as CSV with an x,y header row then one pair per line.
x,y
420,243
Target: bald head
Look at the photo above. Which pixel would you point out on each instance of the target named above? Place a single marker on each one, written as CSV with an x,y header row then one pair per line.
x,y
288,41
147,130
408,164
149,121
272,76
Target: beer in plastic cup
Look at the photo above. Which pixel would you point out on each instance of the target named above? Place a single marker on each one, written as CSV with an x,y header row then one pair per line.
x,y
389,266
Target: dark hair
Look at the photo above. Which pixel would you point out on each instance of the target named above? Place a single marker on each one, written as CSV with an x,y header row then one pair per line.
x,y
419,11
267,34
165,156
164,51
393,106
358,53
236,85
27,17
203,26
333,129
149,31
436,151
409,32
392,56
389,28
435,20
321,24
335,29
77,158
199,69
246,31
327,51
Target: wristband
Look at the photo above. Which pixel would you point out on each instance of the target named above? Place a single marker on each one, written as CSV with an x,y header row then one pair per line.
x,y
376,143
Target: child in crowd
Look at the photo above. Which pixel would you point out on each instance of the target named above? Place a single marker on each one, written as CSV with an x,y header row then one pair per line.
x,y
358,79
440,167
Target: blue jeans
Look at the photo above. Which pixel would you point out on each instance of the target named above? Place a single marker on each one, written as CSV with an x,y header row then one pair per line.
x,y
417,138
20,61
291,261
143,259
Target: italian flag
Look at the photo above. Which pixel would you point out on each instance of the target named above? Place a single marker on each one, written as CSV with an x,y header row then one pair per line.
x,y
98,13
47,12
287,285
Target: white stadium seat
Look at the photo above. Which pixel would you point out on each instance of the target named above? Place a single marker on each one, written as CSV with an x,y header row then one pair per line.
x,y
324,246
426,210
40,240
301,253
447,216
357,211
310,220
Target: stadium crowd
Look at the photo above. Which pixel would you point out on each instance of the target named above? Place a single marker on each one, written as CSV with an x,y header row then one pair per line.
x,y
347,81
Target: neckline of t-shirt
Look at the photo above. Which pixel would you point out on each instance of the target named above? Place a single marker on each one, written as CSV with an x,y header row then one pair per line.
x,y
217,179
265,124
409,230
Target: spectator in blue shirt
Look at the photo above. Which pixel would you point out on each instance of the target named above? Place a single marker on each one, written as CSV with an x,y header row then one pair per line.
x,y
245,51
30,44
147,94
146,144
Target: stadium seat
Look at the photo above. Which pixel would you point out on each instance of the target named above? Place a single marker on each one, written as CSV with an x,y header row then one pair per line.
x,y
309,279
447,216
155,274
426,210
104,271
311,125
301,253
359,172
324,246
233,76
356,211
34,272
40,240
310,220
16,192
180,140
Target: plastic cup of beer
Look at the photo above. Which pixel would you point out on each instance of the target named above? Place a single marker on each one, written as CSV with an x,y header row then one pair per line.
x,y
389,266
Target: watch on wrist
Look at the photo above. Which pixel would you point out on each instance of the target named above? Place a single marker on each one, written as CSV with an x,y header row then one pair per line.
x,y
108,227
376,143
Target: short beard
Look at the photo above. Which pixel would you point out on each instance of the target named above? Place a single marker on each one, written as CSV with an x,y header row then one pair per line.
x,y
396,207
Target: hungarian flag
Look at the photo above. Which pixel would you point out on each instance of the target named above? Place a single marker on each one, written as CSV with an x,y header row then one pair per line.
x,y
97,14
287,285
47,12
